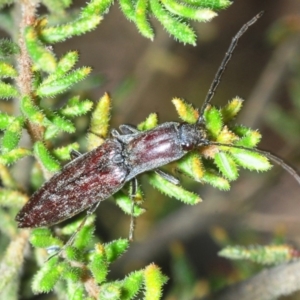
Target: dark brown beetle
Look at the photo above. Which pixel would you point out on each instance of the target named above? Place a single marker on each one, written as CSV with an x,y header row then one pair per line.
x,y
96,175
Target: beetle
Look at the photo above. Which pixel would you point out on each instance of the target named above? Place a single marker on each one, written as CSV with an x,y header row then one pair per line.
x,y
92,177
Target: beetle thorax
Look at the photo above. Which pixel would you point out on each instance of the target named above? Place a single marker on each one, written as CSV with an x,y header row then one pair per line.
x,y
192,136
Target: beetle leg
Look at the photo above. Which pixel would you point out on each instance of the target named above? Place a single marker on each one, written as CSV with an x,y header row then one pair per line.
x,y
167,176
114,133
89,212
70,241
128,129
74,153
134,188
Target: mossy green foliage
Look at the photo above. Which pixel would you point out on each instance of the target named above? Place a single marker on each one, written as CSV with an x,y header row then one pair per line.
x,y
125,203
12,135
12,198
173,15
215,165
172,190
78,264
7,90
265,255
42,153
154,280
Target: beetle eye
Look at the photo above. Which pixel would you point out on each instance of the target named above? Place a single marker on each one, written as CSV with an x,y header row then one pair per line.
x,y
118,158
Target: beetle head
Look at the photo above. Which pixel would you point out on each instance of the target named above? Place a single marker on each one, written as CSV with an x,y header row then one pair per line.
x,y
192,136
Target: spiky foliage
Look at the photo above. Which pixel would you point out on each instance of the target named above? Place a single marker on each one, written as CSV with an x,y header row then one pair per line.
x,y
81,272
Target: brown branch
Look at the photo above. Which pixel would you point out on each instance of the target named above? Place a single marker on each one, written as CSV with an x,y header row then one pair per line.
x,y
24,63
267,285
13,258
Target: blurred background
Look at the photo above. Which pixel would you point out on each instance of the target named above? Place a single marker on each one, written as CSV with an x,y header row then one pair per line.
x,y
143,76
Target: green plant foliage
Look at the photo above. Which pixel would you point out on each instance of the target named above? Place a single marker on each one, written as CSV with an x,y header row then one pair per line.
x,y
185,111
179,29
101,116
57,5
227,159
36,176
192,166
88,20
213,178
230,110
62,123
172,14
128,9
14,155
12,135
75,107
44,59
63,153
220,164
12,198
47,277
188,12
75,266
32,111
5,120
6,178
125,203
131,285
115,249
60,85
43,238
7,70
110,291
51,131
154,280
64,65
43,155
226,165
84,236
7,91
266,255
149,123
73,253
142,22
214,122
248,138
182,273
250,160
8,48
99,264
213,4
73,274
173,190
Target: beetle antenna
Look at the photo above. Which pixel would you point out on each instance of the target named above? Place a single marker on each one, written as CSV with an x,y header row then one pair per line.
x,y
269,155
223,65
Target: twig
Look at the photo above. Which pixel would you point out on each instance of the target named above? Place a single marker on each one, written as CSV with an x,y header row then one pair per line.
x,y
24,80
267,285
